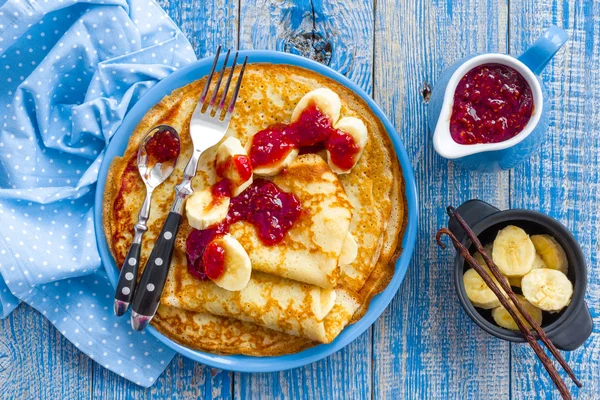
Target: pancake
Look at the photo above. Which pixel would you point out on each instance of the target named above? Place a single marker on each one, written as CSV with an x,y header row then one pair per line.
x,y
374,189
310,250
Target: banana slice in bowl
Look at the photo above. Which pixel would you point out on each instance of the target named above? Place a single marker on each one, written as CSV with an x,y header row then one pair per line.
x,y
513,251
505,320
551,252
478,291
547,289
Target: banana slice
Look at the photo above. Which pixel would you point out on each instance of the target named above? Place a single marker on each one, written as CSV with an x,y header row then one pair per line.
x,y
349,250
537,263
504,319
326,100
356,129
203,209
513,251
232,162
277,167
237,265
547,289
478,291
551,252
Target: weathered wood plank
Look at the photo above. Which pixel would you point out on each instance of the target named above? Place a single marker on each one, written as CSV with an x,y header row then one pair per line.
x,y
340,35
425,346
563,179
36,362
207,24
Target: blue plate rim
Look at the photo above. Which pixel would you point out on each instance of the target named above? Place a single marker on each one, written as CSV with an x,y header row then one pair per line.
x,y
242,363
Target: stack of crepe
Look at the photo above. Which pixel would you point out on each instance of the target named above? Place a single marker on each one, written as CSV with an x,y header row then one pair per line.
x,y
298,294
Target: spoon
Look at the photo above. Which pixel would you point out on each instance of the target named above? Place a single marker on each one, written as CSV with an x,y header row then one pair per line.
x,y
155,161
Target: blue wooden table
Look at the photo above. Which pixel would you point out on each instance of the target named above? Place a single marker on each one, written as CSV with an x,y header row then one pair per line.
x,y
423,346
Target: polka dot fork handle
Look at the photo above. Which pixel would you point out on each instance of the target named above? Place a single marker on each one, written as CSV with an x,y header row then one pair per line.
x,y
147,295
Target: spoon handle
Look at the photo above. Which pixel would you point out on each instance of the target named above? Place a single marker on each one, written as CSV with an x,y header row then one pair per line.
x,y
152,282
129,271
127,279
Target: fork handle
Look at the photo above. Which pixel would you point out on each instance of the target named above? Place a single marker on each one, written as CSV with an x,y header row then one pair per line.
x,y
152,282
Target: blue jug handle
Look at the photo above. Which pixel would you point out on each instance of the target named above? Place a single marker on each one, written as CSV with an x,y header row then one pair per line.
x,y
541,52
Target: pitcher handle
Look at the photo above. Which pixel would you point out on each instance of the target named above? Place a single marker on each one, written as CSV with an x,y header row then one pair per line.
x,y
541,52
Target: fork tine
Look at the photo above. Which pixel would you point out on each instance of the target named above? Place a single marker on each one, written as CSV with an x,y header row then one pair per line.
x,y
210,75
226,89
218,84
237,87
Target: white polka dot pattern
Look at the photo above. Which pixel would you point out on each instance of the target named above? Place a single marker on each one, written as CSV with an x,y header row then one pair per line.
x,y
69,74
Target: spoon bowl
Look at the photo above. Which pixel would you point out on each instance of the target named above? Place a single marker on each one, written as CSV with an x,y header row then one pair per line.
x,y
153,170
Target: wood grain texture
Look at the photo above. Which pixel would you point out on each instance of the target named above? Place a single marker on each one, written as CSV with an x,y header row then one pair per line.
x,y
563,179
36,362
338,34
425,346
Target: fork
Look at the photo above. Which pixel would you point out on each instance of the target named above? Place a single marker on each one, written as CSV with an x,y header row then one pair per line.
x,y
207,127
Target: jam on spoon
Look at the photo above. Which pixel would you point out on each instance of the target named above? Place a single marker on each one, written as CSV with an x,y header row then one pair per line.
x,y
162,146
492,103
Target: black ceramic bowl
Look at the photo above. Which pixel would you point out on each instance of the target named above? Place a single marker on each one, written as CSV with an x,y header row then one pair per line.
x,y
567,329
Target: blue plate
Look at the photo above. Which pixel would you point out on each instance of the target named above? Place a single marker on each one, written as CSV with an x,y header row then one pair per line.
x,y
241,363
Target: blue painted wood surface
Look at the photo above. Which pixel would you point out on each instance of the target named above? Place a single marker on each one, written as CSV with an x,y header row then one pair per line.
x,y
423,346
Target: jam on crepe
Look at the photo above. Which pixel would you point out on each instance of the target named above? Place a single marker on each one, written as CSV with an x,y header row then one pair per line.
x,y
272,211
492,103
213,260
311,132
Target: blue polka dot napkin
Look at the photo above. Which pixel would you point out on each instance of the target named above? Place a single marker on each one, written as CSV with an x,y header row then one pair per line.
x,y
70,70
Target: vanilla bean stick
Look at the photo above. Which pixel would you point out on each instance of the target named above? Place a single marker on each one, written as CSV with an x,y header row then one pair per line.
x,y
508,305
507,288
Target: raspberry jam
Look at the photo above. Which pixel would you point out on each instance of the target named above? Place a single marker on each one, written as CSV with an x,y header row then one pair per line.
x,y
214,260
221,189
309,133
272,211
163,146
196,244
311,128
342,149
270,146
492,103
242,166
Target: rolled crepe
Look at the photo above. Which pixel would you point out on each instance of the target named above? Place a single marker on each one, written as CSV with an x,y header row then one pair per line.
x,y
310,250
270,301
214,333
